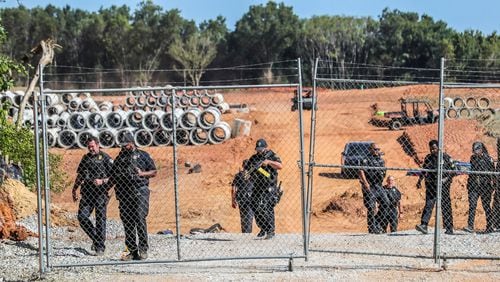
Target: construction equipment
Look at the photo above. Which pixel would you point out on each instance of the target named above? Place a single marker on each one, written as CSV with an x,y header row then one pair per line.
x,y
413,112
307,101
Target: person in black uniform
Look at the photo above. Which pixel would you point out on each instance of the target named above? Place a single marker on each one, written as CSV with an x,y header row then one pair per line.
x,y
262,170
92,176
431,184
131,172
371,186
393,211
480,185
241,197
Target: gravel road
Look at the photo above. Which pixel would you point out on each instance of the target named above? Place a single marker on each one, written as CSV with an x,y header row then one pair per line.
x,y
331,257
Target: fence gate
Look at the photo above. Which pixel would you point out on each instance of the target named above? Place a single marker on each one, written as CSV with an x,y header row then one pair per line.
x,y
367,110
198,138
472,135
363,111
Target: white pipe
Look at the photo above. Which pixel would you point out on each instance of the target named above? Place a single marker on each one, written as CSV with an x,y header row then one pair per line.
x,y
97,120
52,136
458,102
151,101
140,101
448,102
476,112
223,107
182,136
120,133
62,121
198,136
130,101
219,133
194,101
106,106
116,119
143,138
209,117
452,113
483,103
56,109
205,100
8,97
78,121
74,104
107,137
152,120
464,113
66,139
161,138
189,118
52,121
162,101
88,105
471,102
156,93
83,137
216,99
67,97
16,101
183,101
84,95
167,122
135,118
52,99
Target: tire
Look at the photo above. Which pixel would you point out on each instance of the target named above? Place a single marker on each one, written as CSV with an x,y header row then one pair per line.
x,y
396,125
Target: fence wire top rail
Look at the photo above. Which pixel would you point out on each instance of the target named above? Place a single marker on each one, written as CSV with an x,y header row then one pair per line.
x,y
52,91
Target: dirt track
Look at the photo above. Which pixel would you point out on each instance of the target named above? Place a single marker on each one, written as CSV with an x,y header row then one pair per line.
x,y
342,116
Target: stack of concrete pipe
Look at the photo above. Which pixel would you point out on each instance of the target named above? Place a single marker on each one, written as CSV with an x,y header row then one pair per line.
x,y
159,99
469,108
73,118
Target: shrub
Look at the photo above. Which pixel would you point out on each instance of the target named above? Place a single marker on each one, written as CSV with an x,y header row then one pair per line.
x,y
19,145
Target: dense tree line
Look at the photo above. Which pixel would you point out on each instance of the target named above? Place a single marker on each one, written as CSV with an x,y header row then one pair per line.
x,y
130,46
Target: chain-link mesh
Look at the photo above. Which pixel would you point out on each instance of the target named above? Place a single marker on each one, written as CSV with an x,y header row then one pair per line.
x,y
155,169
376,155
471,136
257,205
368,127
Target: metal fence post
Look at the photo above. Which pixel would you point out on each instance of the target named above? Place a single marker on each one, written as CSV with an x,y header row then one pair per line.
x,y
302,178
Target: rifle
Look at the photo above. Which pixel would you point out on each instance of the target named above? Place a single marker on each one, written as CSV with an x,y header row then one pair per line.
x,y
258,165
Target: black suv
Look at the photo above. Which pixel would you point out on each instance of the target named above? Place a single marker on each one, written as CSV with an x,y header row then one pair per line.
x,y
353,153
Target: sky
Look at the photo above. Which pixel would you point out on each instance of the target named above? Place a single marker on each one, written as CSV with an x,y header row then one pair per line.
x,y
482,15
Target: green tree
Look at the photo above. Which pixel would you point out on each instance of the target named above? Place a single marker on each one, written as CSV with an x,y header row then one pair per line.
x,y
337,38
8,67
265,34
194,54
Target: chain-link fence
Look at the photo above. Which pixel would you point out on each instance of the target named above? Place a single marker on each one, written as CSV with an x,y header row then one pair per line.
x,y
157,173
377,164
471,135
390,152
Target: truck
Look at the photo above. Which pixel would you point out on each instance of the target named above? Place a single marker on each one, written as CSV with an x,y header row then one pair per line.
x,y
413,112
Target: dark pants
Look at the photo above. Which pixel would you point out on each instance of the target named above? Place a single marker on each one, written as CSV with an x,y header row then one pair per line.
x,y
246,216
88,204
484,192
391,220
430,201
134,208
263,208
375,195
